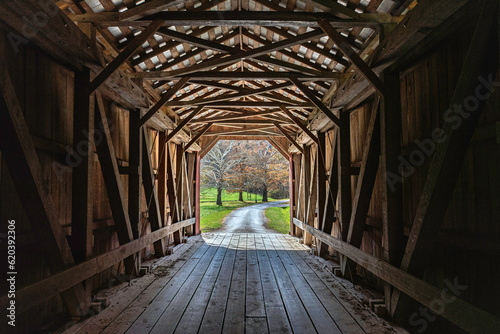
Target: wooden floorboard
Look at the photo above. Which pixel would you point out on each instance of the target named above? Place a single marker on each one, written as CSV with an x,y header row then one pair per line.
x,y
237,283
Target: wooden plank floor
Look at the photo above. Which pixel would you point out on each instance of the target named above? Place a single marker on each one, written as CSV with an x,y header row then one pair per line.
x,y
236,283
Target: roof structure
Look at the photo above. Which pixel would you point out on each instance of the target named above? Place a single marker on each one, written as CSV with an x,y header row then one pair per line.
x,y
245,68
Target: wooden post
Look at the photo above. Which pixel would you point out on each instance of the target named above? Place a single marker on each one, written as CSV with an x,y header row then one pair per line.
x,y
82,185
306,183
135,175
322,187
152,202
344,172
197,227
162,176
297,167
24,166
291,182
392,194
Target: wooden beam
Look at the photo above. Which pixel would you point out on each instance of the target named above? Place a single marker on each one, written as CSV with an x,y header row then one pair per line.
x,y
41,291
164,99
198,135
392,193
464,315
298,122
311,199
419,24
347,50
206,65
83,174
209,146
310,95
24,166
135,177
278,147
232,117
289,137
184,122
244,75
259,18
112,180
481,62
344,173
242,93
162,175
151,194
197,227
322,182
366,179
329,214
132,47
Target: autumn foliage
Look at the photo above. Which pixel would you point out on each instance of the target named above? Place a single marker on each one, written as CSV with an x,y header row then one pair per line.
x,y
251,166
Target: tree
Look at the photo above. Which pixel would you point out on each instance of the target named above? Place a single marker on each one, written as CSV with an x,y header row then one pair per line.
x,y
216,167
269,168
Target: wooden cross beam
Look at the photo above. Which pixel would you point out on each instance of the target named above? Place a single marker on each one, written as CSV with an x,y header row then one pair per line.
x,y
242,93
232,117
112,180
27,174
259,18
244,75
238,56
344,46
184,122
125,54
310,95
195,138
289,137
208,146
278,147
151,194
481,62
298,122
366,180
164,99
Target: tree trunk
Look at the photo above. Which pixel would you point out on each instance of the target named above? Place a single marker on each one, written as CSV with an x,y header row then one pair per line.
x,y
219,196
241,196
264,194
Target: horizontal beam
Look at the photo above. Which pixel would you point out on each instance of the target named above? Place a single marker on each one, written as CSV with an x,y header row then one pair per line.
x,y
253,104
459,312
228,18
225,75
43,290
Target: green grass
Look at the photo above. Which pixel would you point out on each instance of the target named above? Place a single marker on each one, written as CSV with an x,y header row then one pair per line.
x,y
212,215
279,219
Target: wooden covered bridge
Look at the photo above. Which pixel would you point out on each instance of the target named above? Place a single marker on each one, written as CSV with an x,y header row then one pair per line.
x,y
387,110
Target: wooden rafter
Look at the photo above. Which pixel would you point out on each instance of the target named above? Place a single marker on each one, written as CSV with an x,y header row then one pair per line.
x,y
198,135
164,99
289,137
125,54
298,122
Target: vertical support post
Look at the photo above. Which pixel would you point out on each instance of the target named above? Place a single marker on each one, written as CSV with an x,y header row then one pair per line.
x,y
82,237
331,198
197,226
297,167
82,188
135,175
392,194
306,183
162,176
291,192
322,189
344,172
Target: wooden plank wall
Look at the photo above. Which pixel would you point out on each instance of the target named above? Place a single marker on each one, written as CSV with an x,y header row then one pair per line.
x,y
45,91
467,248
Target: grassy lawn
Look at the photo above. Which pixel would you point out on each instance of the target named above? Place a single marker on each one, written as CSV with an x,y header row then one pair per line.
x,y
279,219
212,215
